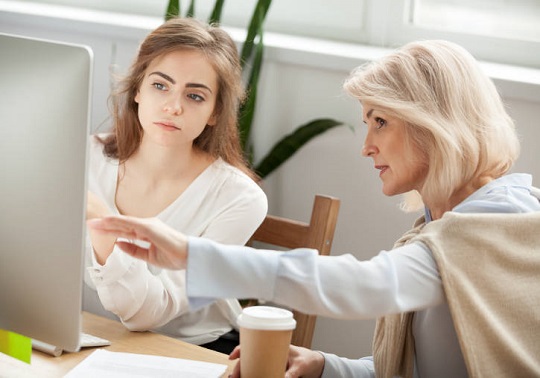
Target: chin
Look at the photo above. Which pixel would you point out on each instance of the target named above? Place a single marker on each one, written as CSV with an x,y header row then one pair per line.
x,y
394,190
388,192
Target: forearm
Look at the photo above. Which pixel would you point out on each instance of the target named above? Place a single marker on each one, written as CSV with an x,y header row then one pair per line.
x,y
142,300
310,283
102,246
211,266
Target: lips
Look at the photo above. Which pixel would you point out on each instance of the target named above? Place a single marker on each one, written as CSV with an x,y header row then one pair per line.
x,y
382,168
167,125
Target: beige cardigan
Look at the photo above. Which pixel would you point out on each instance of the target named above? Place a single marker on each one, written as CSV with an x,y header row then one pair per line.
x,y
490,269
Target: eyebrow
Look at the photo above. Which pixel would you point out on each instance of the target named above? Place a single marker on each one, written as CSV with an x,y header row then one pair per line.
x,y
368,115
164,76
198,85
172,81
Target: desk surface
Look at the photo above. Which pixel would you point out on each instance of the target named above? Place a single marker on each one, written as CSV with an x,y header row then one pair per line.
x,y
121,339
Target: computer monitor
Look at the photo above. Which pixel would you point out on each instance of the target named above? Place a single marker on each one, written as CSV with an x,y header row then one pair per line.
x,y
44,126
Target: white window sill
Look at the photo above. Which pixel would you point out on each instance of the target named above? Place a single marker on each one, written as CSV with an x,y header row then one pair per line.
x,y
513,81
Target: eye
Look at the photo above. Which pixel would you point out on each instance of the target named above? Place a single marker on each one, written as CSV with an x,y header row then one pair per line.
x,y
159,86
195,97
380,123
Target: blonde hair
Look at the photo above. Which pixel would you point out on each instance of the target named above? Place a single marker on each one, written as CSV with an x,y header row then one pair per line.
x,y
222,139
453,112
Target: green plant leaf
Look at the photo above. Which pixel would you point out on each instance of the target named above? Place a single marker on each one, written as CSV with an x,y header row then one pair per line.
x,y
255,25
173,9
191,9
247,110
292,142
215,17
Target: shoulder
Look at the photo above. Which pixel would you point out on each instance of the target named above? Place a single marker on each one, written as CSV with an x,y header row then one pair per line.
x,y
233,178
237,190
462,232
512,193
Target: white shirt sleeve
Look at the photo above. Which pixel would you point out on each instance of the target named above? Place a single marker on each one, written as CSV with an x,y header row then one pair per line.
x,y
139,298
340,367
404,279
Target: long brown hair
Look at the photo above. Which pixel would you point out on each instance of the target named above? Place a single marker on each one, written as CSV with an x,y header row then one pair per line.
x,y
222,139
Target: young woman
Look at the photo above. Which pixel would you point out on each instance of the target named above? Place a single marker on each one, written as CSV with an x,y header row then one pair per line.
x,y
454,297
174,154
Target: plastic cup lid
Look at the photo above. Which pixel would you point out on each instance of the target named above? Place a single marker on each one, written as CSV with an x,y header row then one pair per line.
x,y
266,318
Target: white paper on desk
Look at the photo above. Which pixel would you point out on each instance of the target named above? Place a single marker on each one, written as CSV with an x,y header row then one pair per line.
x,y
102,363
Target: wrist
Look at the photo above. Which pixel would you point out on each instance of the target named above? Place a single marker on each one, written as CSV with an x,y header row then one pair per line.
x,y
103,247
320,362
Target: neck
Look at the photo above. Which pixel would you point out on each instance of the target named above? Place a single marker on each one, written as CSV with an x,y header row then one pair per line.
x,y
459,195
158,163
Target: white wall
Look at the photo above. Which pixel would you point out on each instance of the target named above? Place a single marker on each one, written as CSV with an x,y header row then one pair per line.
x,y
300,84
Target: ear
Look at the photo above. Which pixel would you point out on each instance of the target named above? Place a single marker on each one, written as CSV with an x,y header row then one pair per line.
x,y
212,120
137,96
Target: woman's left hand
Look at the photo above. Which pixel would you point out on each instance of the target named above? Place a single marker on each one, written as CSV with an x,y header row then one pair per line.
x,y
302,362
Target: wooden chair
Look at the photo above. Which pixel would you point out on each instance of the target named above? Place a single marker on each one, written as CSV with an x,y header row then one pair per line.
x,y
288,233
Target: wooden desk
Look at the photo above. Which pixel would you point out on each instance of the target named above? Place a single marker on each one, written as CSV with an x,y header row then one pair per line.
x,y
122,340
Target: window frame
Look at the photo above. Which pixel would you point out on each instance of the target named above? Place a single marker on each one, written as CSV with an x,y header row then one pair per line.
x,y
397,31
383,23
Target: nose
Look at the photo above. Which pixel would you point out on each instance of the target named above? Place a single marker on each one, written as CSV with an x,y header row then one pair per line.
x,y
173,106
368,149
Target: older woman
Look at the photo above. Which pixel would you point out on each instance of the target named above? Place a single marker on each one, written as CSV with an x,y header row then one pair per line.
x,y
438,131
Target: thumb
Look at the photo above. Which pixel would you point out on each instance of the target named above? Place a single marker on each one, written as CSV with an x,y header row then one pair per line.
x,y
291,373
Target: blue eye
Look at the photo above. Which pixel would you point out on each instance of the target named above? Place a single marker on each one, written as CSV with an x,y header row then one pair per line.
x,y
159,86
195,97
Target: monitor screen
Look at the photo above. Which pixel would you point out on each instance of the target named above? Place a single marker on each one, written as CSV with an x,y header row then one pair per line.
x,y
44,127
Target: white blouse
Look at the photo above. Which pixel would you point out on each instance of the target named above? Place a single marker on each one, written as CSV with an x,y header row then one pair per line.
x,y
222,204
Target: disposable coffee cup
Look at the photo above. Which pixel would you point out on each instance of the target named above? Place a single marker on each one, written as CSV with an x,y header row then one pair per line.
x,y
265,336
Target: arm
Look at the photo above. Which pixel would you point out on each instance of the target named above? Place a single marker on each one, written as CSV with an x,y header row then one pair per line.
x,y
307,363
125,285
144,297
404,279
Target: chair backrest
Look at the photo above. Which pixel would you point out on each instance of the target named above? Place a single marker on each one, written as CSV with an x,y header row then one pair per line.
x,y
317,234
